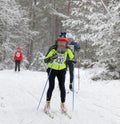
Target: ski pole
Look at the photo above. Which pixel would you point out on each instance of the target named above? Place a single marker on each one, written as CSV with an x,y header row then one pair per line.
x,y
78,78
78,65
73,94
44,89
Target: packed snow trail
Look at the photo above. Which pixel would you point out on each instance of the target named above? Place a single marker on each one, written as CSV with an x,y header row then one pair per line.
x,y
97,102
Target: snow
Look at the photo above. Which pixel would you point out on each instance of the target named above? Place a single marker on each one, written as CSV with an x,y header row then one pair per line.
x,y
97,102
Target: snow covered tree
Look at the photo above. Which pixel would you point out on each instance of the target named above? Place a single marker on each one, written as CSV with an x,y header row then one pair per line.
x,y
79,23
108,40
14,30
96,25
34,25
45,18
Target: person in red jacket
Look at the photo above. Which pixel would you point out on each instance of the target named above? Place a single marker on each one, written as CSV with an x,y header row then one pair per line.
x,y
18,56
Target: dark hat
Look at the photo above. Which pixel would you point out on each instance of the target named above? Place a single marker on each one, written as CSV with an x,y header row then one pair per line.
x,y
63,34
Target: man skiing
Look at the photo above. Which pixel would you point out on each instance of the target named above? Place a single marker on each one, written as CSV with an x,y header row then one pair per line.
x,y
75,47
56,61
18,56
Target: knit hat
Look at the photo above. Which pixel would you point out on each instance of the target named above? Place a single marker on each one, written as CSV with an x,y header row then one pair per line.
x,y
63,34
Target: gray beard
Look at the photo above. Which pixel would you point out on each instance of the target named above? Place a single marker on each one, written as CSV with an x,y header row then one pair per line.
x,y
61,49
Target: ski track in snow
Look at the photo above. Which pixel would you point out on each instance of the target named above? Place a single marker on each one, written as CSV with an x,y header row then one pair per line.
x,y
95,103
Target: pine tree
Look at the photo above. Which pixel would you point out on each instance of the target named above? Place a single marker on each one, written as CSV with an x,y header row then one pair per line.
x,y
45,18
80,24
14,30
108,40
96,24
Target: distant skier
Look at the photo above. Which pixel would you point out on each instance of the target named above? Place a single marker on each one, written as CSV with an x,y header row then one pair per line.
x,y
56,61
18,56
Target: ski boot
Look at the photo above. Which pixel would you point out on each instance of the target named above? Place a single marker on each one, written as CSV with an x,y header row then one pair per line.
x,y
47,107
63,108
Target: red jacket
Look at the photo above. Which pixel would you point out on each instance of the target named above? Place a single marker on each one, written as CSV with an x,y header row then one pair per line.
x,y
18,55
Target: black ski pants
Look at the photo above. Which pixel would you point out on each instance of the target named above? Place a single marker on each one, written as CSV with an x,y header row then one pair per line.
x,y
60,74
17,65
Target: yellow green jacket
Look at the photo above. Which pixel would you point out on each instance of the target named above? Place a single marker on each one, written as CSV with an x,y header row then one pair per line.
x,y
60,62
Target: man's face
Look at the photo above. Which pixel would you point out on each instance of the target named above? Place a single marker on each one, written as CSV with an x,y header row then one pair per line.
x,y
70,39
18,50
61,44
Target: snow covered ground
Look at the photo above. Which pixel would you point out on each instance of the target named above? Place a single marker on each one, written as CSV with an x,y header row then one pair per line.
x,y
97,102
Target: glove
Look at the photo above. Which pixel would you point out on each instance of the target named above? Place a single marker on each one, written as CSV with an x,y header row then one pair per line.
x,y
50,59
70,86
55,56
71,61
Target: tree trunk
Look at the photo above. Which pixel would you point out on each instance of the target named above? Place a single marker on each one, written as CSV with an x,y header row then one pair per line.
x,y
30,46
69,6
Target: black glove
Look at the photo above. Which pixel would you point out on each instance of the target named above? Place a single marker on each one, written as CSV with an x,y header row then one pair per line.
x,y
71,61
50,59
55,56
70,86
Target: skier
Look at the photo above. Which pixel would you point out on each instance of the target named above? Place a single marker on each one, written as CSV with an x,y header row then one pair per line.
x,y
75,47
56,61
18,56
